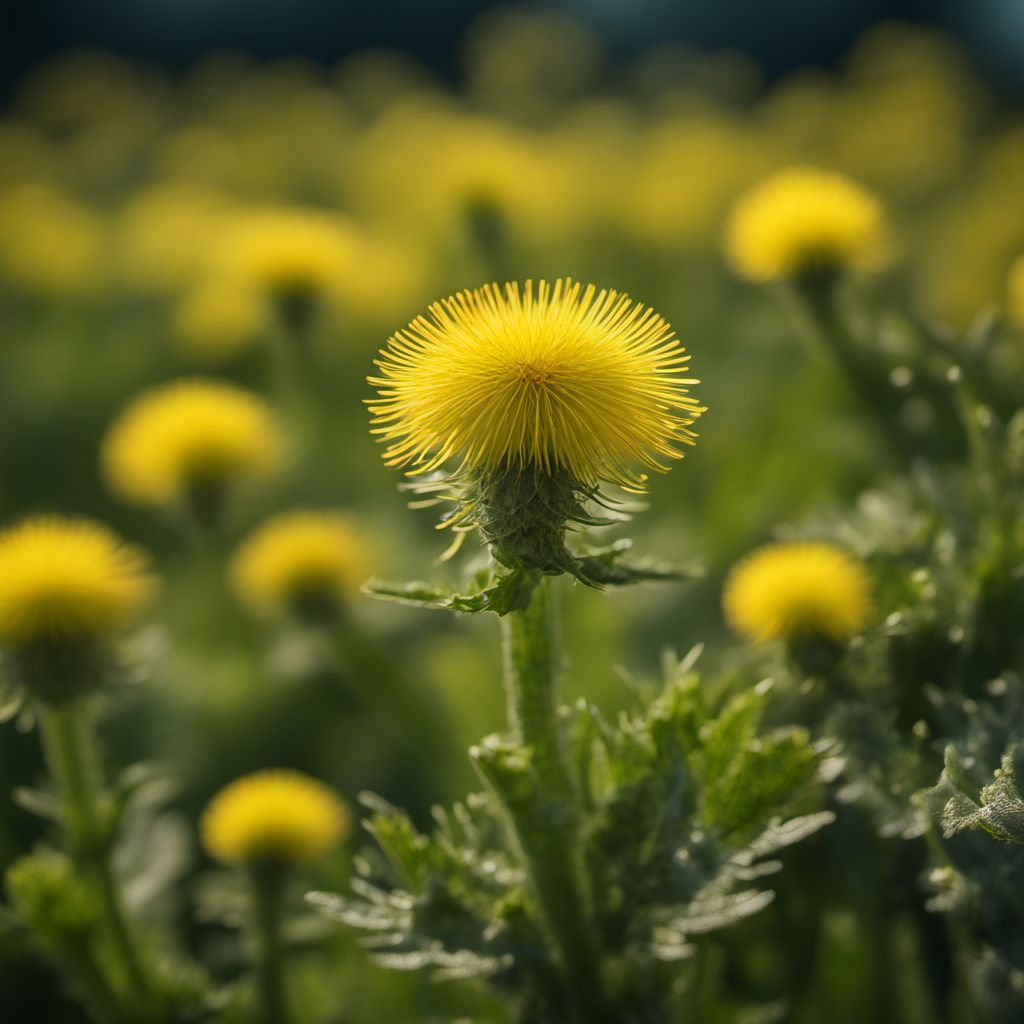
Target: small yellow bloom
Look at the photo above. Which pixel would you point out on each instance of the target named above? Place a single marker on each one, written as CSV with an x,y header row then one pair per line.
x,y
49,243
1015,291
219,318
805,220
68,580
286,253
297,557
278,815
163,234
799,589
190,435
552,376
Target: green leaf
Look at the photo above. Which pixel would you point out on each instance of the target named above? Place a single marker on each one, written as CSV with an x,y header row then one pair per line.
x,y
999,810
500,593
608,566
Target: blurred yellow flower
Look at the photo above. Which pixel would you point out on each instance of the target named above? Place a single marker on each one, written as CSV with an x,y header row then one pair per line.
x,y
164,234
797,590
68,580
218,318
299,559
555,376
276,815
803,220
190,436
427,168
684,174
49,243
288,253
1015,291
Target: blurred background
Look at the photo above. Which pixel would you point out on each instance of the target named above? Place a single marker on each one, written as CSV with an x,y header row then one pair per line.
x,y
779,35
450,144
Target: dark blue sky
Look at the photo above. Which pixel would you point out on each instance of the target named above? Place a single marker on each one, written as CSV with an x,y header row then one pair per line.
x,y
780,34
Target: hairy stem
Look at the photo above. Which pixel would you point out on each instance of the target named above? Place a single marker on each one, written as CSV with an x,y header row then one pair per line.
x,y
69,751
548,832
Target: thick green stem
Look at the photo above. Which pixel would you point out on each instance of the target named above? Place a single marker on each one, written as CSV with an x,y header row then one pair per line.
x,y
93,984
531,654
71,759
548,832
267,882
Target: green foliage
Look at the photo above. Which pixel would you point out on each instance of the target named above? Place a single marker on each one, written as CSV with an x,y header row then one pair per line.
x,y
50,900
682,809
503,592
998,810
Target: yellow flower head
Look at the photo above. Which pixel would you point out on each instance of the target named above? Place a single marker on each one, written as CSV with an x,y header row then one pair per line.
x,y
288,252
49,243
218,318
794,590
277,815
297,557
193,434
805,220
68,580
547,376
163,234
1015,291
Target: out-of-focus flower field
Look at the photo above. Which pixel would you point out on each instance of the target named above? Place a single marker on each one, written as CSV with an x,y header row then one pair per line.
x,y
156,228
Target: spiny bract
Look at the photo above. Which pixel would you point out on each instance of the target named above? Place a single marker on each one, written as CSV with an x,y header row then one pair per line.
x,y
277,814
68,580
805,220
799,589
554,376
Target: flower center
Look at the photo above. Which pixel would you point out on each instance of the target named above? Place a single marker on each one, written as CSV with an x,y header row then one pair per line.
x,y
527,373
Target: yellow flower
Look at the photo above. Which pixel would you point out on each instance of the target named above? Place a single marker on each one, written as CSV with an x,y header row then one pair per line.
x,y
554,377
68,580
297,557
800,589
1015,291
218,318
277,815
164,232
190,435
49,243
805,220
287,253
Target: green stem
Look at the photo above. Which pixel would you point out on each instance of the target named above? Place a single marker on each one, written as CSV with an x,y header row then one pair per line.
x,y
964,948
549,837
70,755
267,882
869,381
95,990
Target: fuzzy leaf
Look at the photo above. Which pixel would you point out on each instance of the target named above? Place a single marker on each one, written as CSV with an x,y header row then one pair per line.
x,y
715,911
999,810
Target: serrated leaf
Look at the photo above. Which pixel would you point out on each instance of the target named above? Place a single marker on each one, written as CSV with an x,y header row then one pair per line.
x,y
999,810
780,834
719,911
